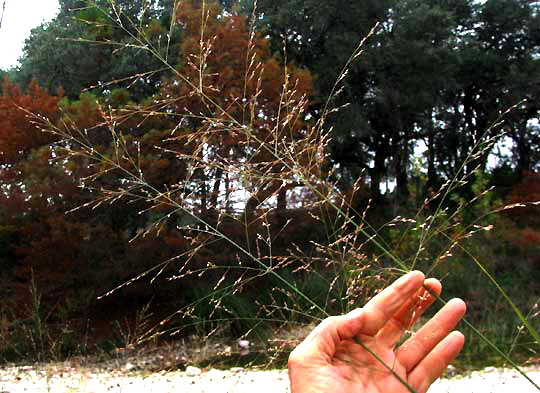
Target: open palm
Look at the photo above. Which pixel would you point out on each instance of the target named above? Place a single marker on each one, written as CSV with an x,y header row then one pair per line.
x,y
338,356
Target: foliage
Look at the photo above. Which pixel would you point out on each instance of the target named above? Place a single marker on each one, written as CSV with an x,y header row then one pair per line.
x,y
434,74
92,45
524,198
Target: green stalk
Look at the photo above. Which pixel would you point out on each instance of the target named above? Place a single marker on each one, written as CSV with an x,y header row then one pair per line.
x,y
399,378
522,318
494,347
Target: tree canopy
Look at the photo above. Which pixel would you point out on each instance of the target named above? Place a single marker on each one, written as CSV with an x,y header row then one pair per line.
x,y
434,74
101,45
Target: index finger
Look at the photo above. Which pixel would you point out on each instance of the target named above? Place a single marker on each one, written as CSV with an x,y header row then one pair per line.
x,y
379,310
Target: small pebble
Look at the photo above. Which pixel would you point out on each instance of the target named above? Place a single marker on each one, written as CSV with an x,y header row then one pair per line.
x,y
192,371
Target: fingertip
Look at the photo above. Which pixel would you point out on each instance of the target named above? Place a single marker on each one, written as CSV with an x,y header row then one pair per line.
x,y
355,314
411,280
458,305
417,274
455,340
433,285
337,328
457,335
354,323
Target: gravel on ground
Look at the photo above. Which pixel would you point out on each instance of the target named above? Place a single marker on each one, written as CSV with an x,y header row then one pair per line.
x,y
165,369
63,378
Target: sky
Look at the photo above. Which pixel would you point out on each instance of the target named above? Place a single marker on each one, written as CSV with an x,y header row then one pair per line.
x,y
21,16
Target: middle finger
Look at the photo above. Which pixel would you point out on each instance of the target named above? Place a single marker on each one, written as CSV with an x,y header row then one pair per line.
x,y
379,310
409,313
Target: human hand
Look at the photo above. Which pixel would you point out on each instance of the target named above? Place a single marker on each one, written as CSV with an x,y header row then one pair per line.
x,y
331,359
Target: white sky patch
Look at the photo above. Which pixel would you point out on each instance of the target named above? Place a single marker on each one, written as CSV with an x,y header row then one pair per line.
x,y
503,149
20,17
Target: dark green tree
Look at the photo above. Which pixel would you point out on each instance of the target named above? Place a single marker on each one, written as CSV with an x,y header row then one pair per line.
x,y
391,89
101,45
436,73
496,70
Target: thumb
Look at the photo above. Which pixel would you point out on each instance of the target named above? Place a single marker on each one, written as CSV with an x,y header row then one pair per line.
x,y
324,339
351,325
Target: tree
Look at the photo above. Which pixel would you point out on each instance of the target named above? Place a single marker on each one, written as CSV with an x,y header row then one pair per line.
x,y
412,63
99,46
435,72
18,136
233,96
496,61
32,187
72,253
391,89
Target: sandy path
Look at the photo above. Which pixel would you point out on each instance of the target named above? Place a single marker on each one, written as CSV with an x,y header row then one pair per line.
x,y
71,379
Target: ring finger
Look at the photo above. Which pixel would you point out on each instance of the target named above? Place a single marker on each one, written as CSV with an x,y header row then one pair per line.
x,y
436,329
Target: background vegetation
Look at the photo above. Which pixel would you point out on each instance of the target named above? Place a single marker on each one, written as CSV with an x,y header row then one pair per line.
x,y
247,168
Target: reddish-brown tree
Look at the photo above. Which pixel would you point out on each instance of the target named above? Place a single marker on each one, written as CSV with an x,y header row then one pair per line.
x,y
238,108
525,201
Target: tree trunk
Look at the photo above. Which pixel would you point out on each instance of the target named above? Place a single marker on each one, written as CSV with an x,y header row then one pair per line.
x,y
376,174
215,190
402,180
432,179
282,201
